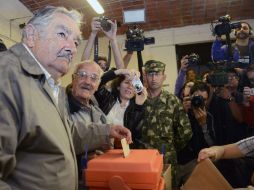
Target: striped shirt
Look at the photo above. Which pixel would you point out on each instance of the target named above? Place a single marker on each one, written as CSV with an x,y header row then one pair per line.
x,y
246,146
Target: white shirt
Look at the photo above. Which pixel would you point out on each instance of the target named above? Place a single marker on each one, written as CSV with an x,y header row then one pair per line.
x,y
116,114
54,85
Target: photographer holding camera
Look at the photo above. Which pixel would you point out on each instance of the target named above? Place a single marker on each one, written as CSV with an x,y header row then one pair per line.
x,y
109,28
242,50
195,104
201,120
185,74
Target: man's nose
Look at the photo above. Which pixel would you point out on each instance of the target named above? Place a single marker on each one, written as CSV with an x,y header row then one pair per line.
x,y
71,47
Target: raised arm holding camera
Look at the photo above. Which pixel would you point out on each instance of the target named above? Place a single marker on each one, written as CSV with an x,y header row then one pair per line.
x,y
109,28
122,104
185,74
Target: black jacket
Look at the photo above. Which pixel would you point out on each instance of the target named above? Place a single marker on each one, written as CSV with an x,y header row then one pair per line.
x,y
133,113
198,140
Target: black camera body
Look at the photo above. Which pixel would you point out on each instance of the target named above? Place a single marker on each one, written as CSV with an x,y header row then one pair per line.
x,y
135,39
197,102
226,26
106,26
193,59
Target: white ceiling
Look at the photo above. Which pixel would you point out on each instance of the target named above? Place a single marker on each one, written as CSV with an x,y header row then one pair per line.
x,y
14,9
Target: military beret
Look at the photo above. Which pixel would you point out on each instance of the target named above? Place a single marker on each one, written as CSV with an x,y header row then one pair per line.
x,y
154,66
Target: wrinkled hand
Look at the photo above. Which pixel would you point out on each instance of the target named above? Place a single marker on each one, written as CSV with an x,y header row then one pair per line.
x,y
184,63
200,115
214,153
120,132
95,25
186,103
111,34
141,98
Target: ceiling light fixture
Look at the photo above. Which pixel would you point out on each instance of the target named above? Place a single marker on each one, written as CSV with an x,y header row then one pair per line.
x,y
96,6
134,16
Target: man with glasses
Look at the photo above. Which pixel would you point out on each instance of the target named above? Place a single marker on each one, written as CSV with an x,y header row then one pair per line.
x,y
83,108
244,46
166,126
38,141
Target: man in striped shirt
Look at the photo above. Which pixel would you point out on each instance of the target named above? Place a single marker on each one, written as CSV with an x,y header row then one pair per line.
x,y
240,149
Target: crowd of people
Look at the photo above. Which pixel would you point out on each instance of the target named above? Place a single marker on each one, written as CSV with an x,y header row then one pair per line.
x,y
45,129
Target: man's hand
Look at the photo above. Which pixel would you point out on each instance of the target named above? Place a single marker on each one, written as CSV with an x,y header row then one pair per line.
x,y
95,25
184,63
111,34
119,132
141,98
200,115
214,153
186,103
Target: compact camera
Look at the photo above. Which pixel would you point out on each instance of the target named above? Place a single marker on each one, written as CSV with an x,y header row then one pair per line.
x,y
137,84
106,26
197,102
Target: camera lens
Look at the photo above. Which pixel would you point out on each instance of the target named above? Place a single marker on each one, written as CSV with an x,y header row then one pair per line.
x,y
197,102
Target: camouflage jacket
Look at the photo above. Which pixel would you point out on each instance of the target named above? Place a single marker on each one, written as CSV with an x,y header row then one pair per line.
x,y
165,127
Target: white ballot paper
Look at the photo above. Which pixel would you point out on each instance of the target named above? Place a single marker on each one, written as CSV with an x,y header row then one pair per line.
x,y
125,146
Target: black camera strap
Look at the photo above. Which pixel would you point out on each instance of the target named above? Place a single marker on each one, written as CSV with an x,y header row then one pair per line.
x,y
96,52
109,55
96,49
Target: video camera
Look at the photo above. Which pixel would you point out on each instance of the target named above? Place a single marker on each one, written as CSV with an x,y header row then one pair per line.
x,y
225,26
135,39
219,75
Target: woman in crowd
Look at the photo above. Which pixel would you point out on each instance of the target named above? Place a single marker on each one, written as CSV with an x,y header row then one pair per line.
x,y
121,103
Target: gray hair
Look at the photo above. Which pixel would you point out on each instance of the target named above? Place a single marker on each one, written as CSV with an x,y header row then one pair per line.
x,y
42,17
88,62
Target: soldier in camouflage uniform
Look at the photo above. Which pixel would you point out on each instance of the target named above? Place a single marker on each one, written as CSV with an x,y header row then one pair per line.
x,y
166,126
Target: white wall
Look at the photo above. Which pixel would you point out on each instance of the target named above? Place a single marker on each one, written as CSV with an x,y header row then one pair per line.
x,y
9,33
163,49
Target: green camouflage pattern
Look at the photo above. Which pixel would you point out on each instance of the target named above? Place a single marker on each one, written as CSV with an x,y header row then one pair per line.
x,y
154,66
166,126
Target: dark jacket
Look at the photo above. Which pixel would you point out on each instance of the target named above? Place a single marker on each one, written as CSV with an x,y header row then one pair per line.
x,y
220,52
107,99
198,140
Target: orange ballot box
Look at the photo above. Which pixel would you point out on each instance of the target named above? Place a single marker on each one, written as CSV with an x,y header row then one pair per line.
x,y
141,169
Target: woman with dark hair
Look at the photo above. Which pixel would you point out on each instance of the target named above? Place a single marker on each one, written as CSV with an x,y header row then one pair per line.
x,y
122,104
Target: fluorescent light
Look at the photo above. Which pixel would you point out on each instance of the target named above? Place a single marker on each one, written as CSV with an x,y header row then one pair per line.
x,y
96,6
134,16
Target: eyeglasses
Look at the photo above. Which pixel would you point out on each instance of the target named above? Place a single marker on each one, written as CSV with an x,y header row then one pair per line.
x,y
243,27
84,74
